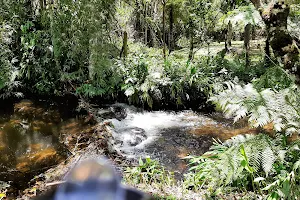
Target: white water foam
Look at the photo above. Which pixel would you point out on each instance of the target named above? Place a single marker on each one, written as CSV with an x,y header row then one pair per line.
x,y
139,129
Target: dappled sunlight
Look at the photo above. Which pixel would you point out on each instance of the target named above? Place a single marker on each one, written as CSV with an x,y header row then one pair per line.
x,y
221,132
207,89
39,159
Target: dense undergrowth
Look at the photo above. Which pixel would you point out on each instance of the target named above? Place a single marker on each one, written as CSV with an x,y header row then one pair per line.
x,y
56,53
70,48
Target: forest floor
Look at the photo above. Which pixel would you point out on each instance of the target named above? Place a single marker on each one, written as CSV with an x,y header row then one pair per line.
x,y
256,48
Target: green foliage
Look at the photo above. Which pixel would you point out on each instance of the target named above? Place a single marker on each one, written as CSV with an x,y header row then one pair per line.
x,y
49,44
249,162
8,72
149,172
285,180
241,16
147,78
275,78
234,163
261,107
37,66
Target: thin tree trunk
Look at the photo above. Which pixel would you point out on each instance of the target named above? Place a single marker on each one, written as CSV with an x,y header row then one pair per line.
x,y
138,20
225,31
145,24
247,36
124,50
253,32
171,34
164,31
191,36
267,47
229,34
191,53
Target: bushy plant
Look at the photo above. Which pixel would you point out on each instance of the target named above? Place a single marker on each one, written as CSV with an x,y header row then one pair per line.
x,y
148,172
261,107
8,71
236,162
252,163
149,78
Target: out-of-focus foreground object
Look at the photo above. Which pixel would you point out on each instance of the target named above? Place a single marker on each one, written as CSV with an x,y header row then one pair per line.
x,y
94,179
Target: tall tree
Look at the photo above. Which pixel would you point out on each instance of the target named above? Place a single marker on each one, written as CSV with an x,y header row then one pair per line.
x,y
275,14
247,37
171,25
164,28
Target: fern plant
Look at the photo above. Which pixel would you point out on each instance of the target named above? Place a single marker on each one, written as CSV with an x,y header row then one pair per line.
x,y
8,71
234,163
261,107
285,183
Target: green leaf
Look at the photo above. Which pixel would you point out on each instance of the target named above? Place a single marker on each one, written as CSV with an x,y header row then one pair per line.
x,y
271,185
274,196
130,91
141,163
258,179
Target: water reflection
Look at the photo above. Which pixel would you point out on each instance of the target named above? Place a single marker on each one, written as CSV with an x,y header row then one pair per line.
x,y
28,141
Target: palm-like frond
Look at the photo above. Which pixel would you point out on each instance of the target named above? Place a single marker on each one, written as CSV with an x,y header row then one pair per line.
x,y
222,165
262,107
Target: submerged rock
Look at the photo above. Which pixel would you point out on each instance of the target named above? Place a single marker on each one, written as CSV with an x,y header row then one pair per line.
x,y
38,159
131,136
28,109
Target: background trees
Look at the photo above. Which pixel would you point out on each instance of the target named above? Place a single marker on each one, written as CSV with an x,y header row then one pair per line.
x,y
239,55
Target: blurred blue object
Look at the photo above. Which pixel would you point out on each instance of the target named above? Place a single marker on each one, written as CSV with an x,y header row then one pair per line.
x,y
95,180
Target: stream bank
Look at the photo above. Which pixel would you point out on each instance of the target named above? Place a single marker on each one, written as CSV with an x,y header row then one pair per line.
x,y
126,134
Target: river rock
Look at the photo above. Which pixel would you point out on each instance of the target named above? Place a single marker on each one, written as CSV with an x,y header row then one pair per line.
x,y
132,136
115,111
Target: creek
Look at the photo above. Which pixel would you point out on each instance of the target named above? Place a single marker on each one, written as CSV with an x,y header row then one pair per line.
x,y
30,141
31,136
170,136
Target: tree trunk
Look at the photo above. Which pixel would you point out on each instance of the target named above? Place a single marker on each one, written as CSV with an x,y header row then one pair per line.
x,y
253,32
267,47
171,34
191,36
191,53
124,50
247,36
229,34
137,25
145,24
274,15
164,29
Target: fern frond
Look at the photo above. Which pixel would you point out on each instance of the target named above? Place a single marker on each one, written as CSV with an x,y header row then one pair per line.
x,y
262,107
222,168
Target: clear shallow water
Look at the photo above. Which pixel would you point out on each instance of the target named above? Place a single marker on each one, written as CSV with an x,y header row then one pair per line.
x,y
166,136
29,135
29,142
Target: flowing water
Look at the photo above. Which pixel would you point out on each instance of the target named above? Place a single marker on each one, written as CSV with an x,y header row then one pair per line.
x,y
169,136
30,144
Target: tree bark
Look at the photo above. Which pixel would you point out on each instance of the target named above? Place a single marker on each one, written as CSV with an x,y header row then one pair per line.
x,y
267,47
171,34
124,50
145,24
247,36
191,53
191,36
137,25
229,33
274,15
164,28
